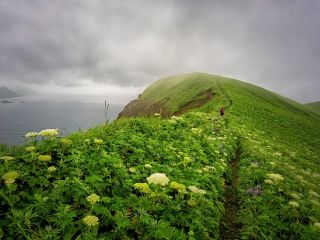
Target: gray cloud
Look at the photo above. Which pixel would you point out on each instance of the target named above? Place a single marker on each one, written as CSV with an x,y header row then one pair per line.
x,y
131,43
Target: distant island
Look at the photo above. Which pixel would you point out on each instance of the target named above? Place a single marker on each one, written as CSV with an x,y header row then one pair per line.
x,y
7,93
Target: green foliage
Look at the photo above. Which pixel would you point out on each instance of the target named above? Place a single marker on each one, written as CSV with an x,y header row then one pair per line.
x,y
96,184
49,199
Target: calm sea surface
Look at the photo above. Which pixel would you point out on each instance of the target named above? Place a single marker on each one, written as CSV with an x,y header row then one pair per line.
x,y
36,113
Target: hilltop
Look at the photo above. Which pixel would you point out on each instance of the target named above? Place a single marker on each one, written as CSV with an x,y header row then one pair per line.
x,y
172,168
7,93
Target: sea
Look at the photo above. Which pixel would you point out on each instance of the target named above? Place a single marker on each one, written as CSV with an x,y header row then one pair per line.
x,y
68,114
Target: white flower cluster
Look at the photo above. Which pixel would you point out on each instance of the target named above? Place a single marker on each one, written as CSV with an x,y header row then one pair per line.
x,y
158,178
196,190
50,132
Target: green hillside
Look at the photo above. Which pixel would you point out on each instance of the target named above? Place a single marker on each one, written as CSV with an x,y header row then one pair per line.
x,y
252,174
314,106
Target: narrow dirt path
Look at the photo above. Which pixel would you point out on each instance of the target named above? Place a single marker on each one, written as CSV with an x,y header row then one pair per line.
x,y
229,227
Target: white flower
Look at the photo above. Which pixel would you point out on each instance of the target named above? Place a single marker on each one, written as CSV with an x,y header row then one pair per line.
x,y
31,134
194,189
294,204
158,178
147,165
50,132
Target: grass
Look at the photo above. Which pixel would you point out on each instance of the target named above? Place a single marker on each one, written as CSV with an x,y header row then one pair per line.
x,y
275,181
314,106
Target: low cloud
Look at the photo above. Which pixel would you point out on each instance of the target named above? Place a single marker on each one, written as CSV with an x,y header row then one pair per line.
x,y
94,45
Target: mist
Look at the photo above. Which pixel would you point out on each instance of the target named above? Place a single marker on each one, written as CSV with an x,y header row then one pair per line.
x,y
115,49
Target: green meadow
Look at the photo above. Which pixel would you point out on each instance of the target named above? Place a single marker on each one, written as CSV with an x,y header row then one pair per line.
x,y
172,168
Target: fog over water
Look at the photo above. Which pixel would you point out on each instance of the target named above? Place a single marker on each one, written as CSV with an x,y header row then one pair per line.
x,y
36,113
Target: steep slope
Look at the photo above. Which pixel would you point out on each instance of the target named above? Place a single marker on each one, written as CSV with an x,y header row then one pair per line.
x,y
251,174
314,106
7,93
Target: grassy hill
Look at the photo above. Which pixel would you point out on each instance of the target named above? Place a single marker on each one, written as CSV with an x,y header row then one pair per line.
x,y
251,174
314,106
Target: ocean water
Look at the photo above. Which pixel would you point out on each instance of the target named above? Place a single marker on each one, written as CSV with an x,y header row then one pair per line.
x,y
36,113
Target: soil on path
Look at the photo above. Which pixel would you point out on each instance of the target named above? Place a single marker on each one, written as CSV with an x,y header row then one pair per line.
x,y
229,226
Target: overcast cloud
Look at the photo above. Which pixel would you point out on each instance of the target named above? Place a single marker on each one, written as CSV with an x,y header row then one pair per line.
x,y
82,47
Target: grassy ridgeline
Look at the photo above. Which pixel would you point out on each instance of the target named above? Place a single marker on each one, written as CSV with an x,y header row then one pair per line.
x,y
278,170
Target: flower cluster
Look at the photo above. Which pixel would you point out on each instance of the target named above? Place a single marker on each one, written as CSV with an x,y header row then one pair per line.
x,y
196,190
178,186
295,196
50,132
10,177
132,170
52,169
142,187
275,177
196,130
294,204
313,194
147,165
90,220
93,198
30,148
66,141
158,178
98,141
44,158
7,158
31,135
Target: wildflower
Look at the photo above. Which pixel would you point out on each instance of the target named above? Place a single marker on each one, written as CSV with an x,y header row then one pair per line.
x,y
275,177
172,121
7,158
255,191
52,169
158,178
90,220
313,194
50,132
199,171
317,225
31,135
196,190
178,186
147,165
44,158
66,141
93,198
268,181
98,141
254,165
191,202
10,177
196,130
272,164
132,170
142,187
157,114
295,196
30,148
294,204
87,140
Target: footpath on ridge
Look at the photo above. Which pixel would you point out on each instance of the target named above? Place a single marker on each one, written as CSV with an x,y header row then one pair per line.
x,y
229,225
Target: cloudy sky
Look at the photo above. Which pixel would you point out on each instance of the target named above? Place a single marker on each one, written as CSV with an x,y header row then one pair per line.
x,y
118,47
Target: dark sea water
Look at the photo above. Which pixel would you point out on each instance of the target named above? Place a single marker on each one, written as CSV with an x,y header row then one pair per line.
x,y
36,113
